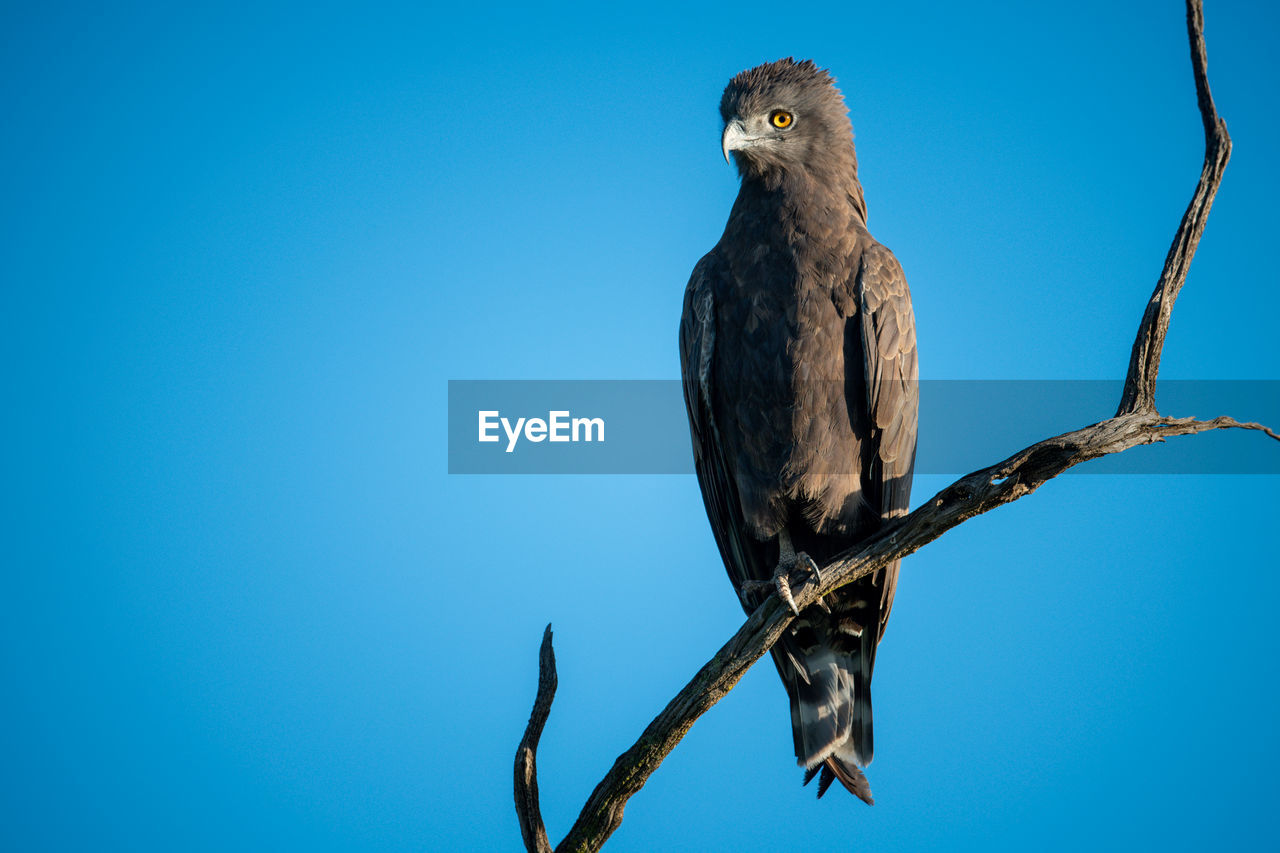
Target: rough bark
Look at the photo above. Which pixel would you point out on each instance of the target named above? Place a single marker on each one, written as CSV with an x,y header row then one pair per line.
x,y
1136,422
1144,363
527,809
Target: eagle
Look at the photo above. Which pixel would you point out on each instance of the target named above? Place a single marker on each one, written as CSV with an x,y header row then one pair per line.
x,y
799,366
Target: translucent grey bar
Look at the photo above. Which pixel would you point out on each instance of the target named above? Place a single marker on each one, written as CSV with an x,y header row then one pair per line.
x,y
640,427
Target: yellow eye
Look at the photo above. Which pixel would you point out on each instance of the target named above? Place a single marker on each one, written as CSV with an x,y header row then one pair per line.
x,y
781,119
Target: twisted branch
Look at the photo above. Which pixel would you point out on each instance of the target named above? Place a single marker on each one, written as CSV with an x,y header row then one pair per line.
x,y
527,809
1136,422
1144,362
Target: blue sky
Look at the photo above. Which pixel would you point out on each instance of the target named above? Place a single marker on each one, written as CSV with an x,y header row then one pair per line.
x,y
246,247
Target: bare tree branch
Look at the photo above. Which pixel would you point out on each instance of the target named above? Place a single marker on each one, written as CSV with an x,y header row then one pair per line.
x,y
527,808
1136,422
1144,362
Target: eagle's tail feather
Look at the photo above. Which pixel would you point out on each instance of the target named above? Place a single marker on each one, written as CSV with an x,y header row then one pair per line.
x,y
863,738
832,715
849,774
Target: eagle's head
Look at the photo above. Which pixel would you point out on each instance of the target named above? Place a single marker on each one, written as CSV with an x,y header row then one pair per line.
x,y
787,116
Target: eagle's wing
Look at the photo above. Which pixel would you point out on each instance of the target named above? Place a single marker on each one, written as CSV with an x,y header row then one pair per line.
x,y
719,493
893,393
744,557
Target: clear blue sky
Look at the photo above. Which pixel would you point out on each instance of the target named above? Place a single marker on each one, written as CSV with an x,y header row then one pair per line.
x,y
244,248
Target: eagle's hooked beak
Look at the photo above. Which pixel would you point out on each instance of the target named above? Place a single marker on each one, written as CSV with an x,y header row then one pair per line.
x,y
734,139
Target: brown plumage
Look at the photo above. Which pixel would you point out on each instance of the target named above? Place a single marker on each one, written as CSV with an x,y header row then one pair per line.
x,y
798,354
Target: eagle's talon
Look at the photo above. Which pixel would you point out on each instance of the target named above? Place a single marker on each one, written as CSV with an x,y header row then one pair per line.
x,y
804,561
778,583
784,589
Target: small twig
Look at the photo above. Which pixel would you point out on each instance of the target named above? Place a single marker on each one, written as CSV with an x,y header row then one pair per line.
x,y
527,808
